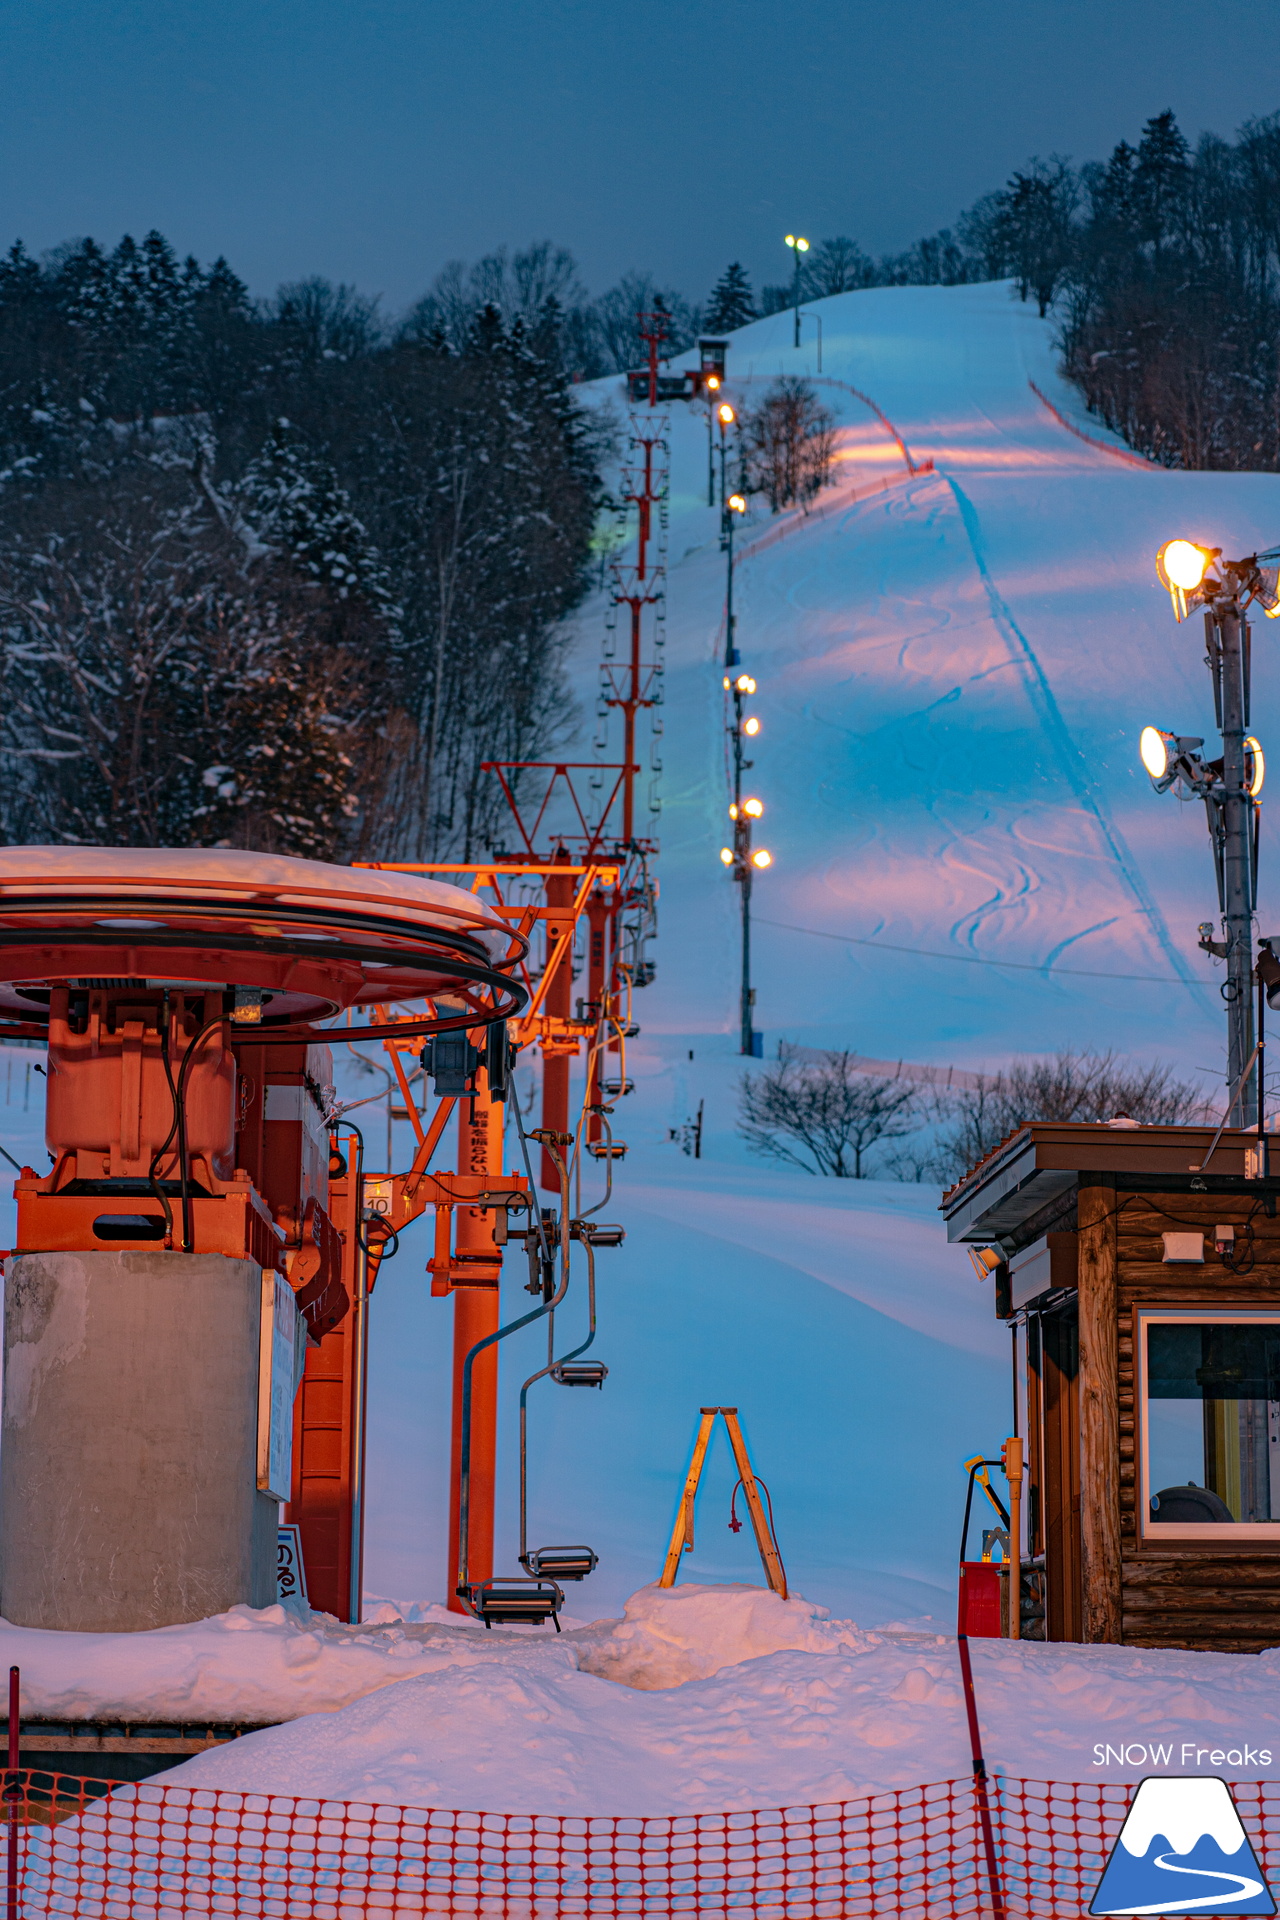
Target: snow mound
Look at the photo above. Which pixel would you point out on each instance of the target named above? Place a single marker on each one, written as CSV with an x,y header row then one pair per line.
x,y
670,1635
260,1665
543,1736
250,1665
536,1729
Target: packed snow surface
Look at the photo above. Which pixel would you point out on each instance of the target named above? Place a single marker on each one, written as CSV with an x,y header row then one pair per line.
x,y
715,1698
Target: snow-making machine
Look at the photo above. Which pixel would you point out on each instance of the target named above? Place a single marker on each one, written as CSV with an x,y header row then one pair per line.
x,y
204,1227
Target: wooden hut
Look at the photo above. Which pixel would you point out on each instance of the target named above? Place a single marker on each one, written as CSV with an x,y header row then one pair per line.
x,y
1140,1268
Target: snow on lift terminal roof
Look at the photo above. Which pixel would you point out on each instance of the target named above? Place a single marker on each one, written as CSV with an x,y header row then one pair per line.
x,y
316,938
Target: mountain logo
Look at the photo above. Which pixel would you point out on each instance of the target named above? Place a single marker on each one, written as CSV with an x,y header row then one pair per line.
x,y
1182,1850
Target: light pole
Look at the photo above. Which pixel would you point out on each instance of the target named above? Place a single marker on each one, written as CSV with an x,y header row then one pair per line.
x,y
798,245
744,860
727,418
1198,576
713,387
733,506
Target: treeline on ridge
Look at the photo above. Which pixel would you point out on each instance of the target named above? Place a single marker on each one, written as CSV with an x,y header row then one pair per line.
x,y
1160,265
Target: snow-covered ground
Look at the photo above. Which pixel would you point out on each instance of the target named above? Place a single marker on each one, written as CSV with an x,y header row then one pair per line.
x,y
701,1698
953,669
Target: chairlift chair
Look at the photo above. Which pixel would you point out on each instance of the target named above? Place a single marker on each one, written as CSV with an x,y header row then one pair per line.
x,y
561,1563
588,1373
565,1563
510,1600
607,1149
601,1233
615,1089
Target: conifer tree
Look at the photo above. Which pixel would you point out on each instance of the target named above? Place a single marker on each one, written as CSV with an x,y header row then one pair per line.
x,y
732,303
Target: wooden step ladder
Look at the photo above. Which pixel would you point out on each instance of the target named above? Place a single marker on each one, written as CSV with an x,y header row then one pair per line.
x,y
682,1533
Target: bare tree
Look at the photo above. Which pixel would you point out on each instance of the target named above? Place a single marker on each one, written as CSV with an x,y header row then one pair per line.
x,y
1070,1085
822,1115
836,266
518,286
789,442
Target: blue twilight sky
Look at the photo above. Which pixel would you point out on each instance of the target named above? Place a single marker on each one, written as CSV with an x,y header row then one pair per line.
x,y
371,140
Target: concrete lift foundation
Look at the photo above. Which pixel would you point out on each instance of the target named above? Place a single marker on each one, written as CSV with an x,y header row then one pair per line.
x,y
129,1460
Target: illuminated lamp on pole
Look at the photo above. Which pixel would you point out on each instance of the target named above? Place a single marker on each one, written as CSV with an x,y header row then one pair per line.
x,y
734,507
746,861
1196,575
726,417
798,246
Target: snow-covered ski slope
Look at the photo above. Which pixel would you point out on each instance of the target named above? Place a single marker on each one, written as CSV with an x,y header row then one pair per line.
x,y
953,666
953,671
953,674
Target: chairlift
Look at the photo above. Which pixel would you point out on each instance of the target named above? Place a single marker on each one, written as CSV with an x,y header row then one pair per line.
x,y
513,1598
617,1088
588,1373
607,1149
509,1600
562,1563
601,1233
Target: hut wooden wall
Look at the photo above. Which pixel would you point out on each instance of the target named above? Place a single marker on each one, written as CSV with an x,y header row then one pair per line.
x,y
1228,1598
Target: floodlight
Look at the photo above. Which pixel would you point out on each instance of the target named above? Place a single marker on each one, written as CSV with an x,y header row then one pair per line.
x,y
761,858
751,726
755,808
713,382
745,684
1255,767
1183,564
736,503
1153,746
1267,591
725,414
727,683
733,810
726,856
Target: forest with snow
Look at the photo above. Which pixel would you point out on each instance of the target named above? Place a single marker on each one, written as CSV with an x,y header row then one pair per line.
x,y
340,548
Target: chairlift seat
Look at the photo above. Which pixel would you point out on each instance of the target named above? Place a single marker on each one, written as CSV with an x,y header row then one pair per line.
x,y
580,1373
509,1599
599,1233
562,1563
607,1149
616,1088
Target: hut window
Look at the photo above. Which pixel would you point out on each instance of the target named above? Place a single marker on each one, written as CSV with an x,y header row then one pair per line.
x,y
1210,1402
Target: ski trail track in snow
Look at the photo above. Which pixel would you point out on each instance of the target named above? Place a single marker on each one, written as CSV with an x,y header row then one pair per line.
x,y
953,669
1070,759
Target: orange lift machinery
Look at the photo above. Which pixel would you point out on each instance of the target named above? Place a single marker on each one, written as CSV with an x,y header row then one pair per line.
x,y
583,881
188,1001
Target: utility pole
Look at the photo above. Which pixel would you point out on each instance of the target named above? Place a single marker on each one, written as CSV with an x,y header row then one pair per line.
x,y
1225,589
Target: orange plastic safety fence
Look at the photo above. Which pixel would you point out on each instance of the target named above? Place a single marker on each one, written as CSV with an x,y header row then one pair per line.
x,y
92,1851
